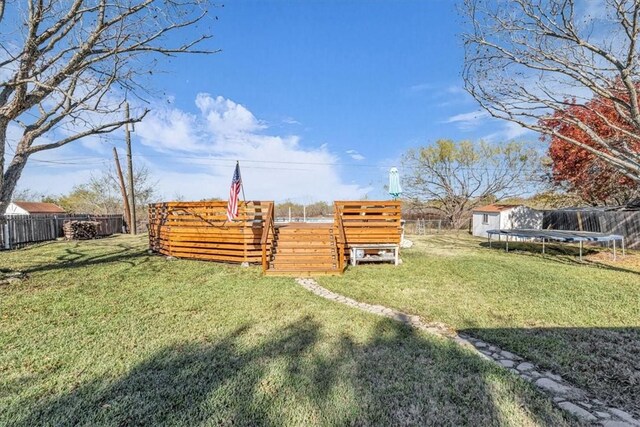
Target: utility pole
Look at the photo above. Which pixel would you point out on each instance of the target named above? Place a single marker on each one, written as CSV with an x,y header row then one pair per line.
x,y
125,198
132,202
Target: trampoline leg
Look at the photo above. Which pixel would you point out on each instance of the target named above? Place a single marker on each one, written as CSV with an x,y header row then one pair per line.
x,y
580,250
614,250
507,249
623,254
489,237
543,246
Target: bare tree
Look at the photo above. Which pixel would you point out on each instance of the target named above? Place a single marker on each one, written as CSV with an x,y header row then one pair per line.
x,y
454,178
529,60
101,194
66,67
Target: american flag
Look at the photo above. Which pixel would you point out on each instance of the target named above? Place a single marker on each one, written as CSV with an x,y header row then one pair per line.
x,y
236,184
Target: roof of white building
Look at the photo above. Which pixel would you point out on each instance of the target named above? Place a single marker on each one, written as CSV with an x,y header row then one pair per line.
x,y
494,208
40,207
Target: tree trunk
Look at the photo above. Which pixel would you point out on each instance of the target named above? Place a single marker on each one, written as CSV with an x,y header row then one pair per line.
x,y
4,123
10,180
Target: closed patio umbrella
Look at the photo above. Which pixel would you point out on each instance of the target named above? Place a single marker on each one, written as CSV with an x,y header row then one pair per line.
x,y
394,183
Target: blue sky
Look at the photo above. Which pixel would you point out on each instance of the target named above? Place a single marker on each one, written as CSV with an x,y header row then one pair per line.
x,y
316,99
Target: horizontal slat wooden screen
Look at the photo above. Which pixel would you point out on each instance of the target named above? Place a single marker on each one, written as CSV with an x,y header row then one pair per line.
x,y
200,230
369,221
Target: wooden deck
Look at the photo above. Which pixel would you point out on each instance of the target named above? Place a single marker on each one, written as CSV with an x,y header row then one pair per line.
x,y
301,249
200,230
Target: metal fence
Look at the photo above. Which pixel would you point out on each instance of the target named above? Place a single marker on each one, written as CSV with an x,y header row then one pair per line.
x,y
19,230
427,226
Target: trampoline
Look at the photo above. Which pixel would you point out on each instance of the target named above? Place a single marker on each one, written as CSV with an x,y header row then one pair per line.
x,y
563,236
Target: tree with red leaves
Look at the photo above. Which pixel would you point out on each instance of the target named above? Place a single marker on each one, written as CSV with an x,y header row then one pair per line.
x,y
525,58
594,180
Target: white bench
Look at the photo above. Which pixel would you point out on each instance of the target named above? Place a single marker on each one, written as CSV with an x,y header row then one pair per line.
x,y
374,258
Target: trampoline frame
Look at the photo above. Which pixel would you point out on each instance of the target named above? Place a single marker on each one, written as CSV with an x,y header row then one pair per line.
x,y
560,236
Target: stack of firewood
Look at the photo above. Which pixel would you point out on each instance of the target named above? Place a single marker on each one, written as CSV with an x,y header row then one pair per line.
x,y
80,230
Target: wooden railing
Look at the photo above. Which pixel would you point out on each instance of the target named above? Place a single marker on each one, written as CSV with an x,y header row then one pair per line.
x,y
342,242
367,222
201,230
268,226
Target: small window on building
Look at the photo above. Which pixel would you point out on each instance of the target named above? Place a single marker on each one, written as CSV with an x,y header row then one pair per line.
x,y
485,218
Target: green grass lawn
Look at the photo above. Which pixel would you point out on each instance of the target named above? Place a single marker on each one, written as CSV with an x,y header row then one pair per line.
x,y
101,333
579,320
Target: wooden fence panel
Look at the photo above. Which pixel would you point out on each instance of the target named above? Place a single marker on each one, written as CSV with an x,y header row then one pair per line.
x,y
201,230
624,223
368,222
19,230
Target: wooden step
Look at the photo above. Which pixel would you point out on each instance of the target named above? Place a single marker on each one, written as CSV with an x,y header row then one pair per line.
x,y
303,273
305,238
303,244
304,250
304,257
284,232
292,267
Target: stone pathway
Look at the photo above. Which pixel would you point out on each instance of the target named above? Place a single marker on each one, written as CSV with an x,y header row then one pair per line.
x,y
563,394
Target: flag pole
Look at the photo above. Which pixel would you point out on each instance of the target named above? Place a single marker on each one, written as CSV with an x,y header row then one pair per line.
x,y
241,183
245,263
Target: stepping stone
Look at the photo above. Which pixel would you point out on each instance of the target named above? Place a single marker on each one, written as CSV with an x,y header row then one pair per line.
x,y
554,387
553,376
507,354
525,366
506,363
612,423
625,416
577,411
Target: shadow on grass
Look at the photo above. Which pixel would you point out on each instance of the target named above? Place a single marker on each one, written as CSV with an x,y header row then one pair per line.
x,y
603,361
76,257
298,376
563,254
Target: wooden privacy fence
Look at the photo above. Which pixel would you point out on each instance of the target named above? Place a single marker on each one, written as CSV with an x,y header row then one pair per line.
x,y
366,222
201,230
623,222
19,230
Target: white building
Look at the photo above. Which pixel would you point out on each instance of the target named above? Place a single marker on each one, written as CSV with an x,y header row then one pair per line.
x,y
504,217
33,208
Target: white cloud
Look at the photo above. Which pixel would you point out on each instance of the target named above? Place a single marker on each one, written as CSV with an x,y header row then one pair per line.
x,y
355,155
514,130
290,121
468,121
509,131
421,87
170,130
225,117
455,90
193,155
205,146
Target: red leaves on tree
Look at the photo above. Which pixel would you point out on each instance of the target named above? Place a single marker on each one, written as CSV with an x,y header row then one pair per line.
x,y
594,180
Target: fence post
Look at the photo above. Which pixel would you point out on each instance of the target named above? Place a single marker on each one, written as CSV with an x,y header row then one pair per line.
x,y
7,236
